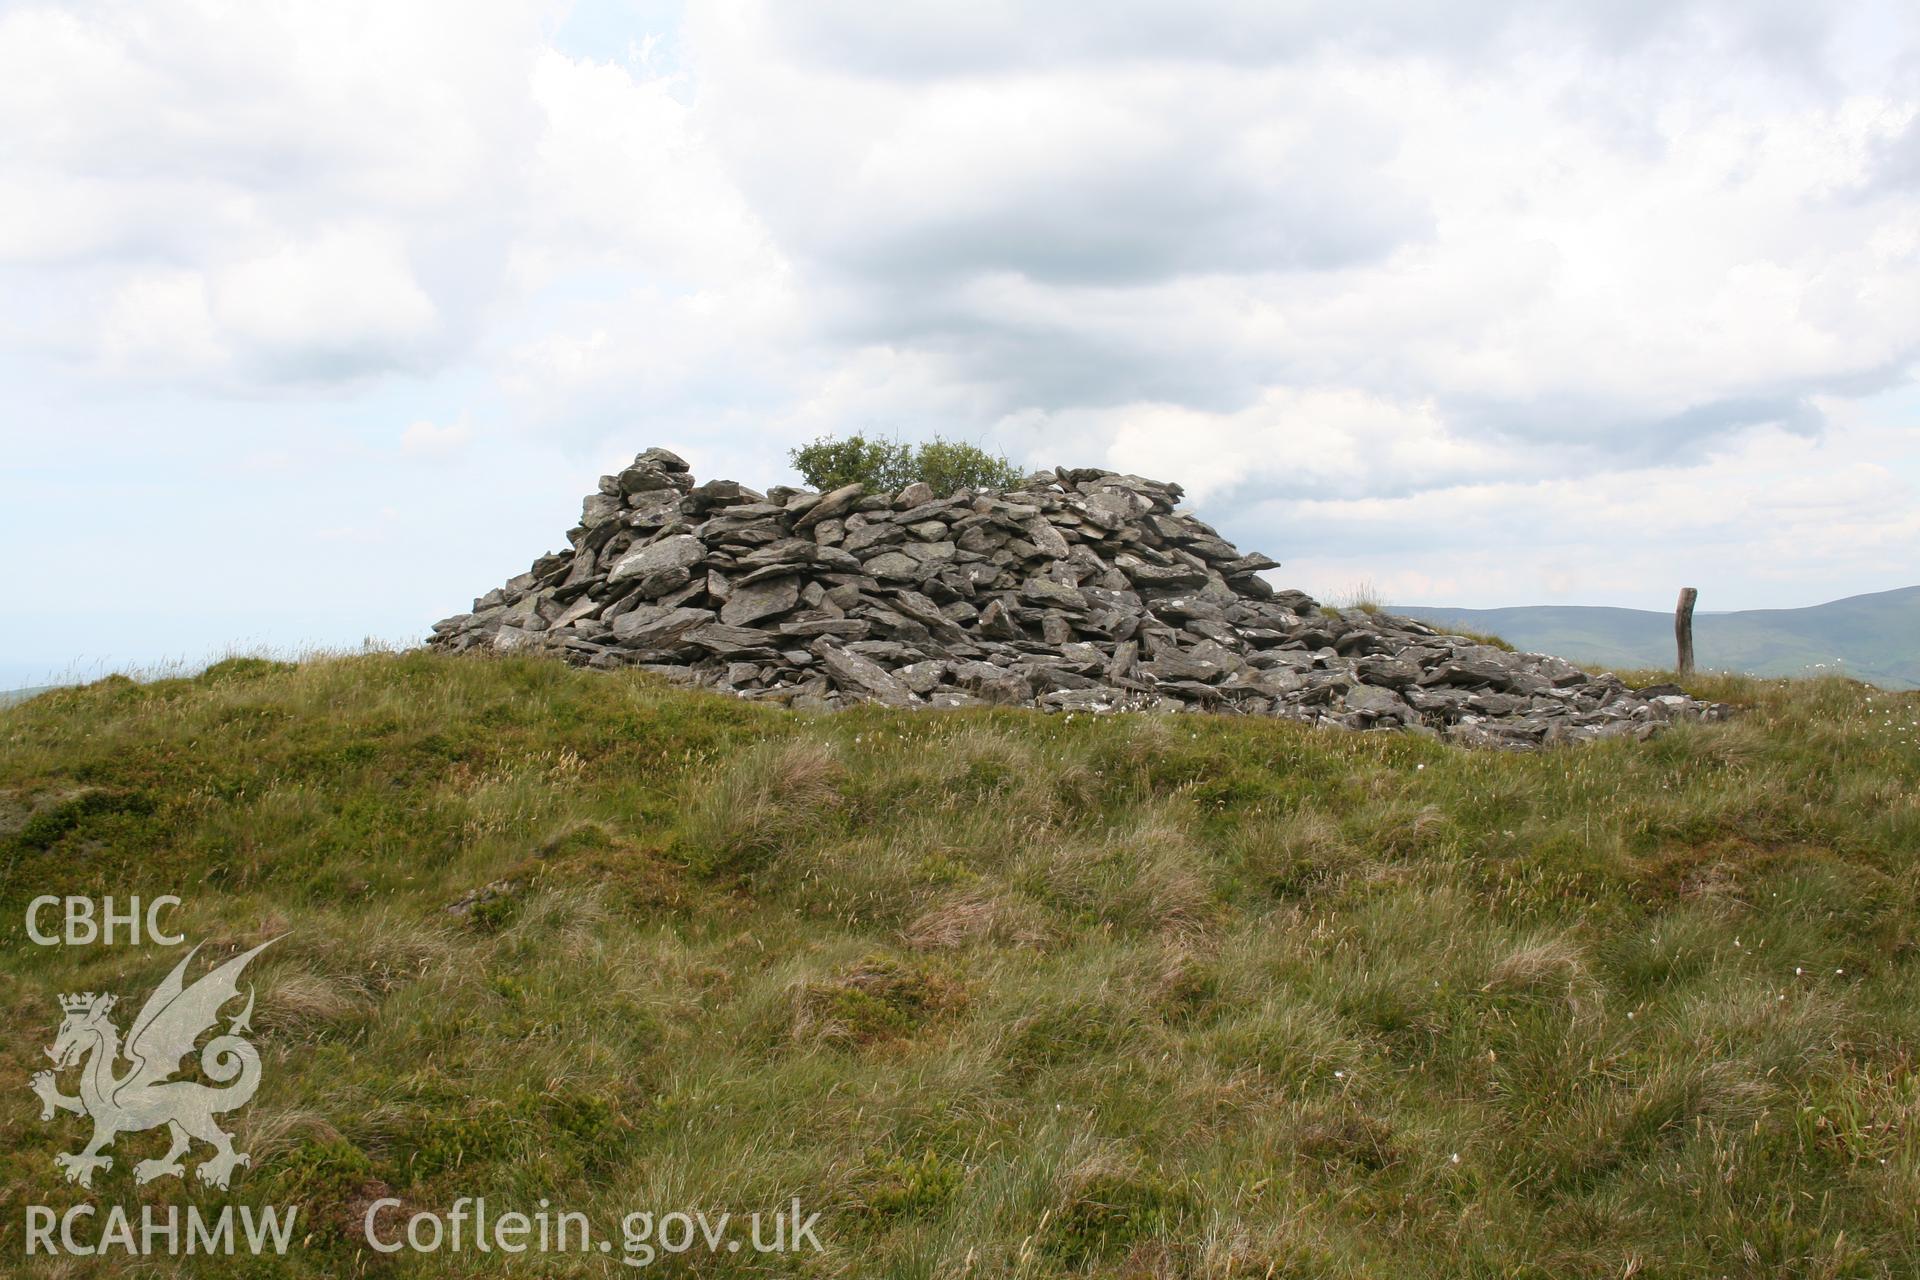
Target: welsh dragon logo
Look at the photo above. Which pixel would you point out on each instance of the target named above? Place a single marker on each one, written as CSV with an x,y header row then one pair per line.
x,y
144,1097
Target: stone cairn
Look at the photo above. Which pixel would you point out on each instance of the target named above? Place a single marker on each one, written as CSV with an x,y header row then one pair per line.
x,y
1082,590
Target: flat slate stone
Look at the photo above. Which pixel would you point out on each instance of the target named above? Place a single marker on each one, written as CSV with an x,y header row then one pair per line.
x,y
860,675
682,551
651,626
761,598
831,504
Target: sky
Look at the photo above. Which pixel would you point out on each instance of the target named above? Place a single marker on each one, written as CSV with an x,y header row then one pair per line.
x,y
317,320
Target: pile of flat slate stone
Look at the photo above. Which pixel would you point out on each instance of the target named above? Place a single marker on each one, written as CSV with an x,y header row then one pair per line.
x,y
1082,590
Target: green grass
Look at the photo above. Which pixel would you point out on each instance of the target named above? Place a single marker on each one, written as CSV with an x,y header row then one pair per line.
x,y
1004,994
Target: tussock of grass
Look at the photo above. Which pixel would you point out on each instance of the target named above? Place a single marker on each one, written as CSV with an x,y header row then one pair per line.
x,y
1005,994
769,800
1492,641
972,917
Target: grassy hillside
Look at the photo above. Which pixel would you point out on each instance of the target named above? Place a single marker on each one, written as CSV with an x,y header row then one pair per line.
x,y
1002,994
1875,637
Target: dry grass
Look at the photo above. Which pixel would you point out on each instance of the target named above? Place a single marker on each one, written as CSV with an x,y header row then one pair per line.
x,y
973,917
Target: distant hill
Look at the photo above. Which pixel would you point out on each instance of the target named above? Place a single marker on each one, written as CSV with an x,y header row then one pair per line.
x,y
10,696
1875,638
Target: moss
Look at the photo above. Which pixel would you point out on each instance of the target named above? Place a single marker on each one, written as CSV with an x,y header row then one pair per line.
x,y
921,1186
77,812
1108,1212
878,998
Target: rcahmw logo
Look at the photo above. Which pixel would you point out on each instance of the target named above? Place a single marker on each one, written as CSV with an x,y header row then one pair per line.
x,y
142,1095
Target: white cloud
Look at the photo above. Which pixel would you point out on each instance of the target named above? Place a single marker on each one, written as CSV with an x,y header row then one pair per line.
x,y
162,319
1617,232
959,37
1609,238
623,178
1332,442
425,439
341,304
1768,518
338,176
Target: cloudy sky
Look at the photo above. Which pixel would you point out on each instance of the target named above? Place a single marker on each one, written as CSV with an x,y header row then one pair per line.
x,y
317,319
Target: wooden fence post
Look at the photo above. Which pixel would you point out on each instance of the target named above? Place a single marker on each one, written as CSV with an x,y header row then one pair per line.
x,y
1683,629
